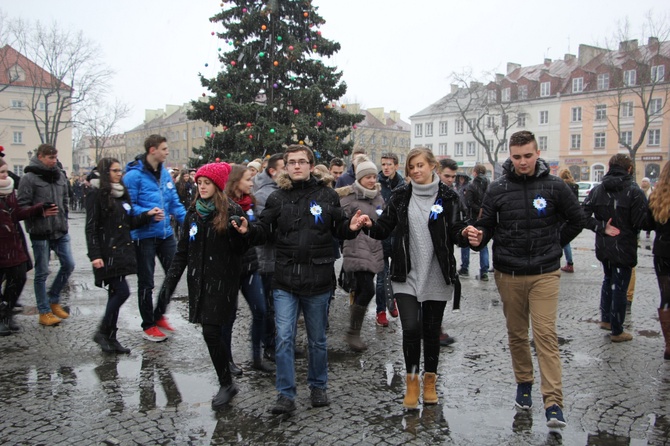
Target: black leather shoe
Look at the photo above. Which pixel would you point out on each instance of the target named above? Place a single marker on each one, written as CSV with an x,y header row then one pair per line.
x,y
234,369
319,397
283,405
263,366
226,393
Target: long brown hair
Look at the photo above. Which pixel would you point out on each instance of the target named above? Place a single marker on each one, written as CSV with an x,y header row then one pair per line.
x,y
220,222
659,200
234,179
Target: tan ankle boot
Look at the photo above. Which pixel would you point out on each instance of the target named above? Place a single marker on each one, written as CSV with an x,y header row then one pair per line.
x,y
48,319
664,317
58,311
429,392
411,400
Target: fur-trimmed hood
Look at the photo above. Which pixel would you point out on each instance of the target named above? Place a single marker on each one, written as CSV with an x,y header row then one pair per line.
x,y
348,190
284,180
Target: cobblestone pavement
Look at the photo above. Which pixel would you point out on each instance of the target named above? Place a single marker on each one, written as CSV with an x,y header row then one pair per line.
x,y
56,387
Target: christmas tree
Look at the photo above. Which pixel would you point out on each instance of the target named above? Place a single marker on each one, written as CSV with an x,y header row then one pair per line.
x,y
274,89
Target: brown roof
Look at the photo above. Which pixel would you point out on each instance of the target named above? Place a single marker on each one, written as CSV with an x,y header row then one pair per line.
x,y
35,76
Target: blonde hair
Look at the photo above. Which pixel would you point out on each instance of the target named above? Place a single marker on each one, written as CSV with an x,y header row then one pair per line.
x,y
417,151
566,176
659,200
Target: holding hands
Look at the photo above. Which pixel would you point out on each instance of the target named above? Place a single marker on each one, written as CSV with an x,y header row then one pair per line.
x,y
359,220
240,224
611,230
473,235
157,214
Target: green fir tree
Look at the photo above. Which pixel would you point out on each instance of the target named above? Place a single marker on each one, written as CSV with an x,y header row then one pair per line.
x,y
274,89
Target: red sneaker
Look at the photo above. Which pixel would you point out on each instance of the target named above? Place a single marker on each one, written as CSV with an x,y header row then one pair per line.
x,y
381,319
394,310
163,323
153,334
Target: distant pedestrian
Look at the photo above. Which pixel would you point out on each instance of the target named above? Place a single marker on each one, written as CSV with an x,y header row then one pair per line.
x,y
616,210
425,215
45,182
530,215
109,220
212,252
659,207
566,176
474,197
348,177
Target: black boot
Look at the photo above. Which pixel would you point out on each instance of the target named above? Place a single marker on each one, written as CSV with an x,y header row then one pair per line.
x,y
263,366
13,325
226,393
118,348
353,335
5,312
102,338
234,369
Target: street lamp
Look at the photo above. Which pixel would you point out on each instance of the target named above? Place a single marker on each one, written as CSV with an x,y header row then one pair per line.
x,y
30,154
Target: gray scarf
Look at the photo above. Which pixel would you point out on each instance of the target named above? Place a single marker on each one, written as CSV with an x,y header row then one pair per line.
x,y
367,193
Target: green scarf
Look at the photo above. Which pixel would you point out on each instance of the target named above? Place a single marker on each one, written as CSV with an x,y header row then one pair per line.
x,y
205,208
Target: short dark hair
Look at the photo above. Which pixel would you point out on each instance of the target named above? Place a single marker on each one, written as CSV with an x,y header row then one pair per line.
x,y
153,141
391,156
297,148
448,163
621,160
480,169
272,162
46,149
521,138
336,162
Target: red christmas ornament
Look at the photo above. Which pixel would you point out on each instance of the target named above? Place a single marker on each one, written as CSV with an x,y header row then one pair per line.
x,y
290,48
248,124
251,136
233,63
305,14
213,33
218,160
211,107
296,111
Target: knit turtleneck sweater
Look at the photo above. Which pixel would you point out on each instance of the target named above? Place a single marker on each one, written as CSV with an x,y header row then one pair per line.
x,y
425,279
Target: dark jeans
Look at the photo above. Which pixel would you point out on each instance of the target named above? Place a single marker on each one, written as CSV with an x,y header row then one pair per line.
x,y
16,279
252,290
420,319
269,341
146,250
117,294
662,268
217,352
365,288
613,295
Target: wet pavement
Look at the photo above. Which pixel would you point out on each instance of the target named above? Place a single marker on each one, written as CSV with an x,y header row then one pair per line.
x,y
56,387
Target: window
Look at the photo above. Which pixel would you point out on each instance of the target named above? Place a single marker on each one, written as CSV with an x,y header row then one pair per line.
x,y
545,89
199,132
442,149
576,141
603,81
578,85
444,127
503,148
472,123
629,78
429,146
544,117
542,143
658,73
395,141
490,122
521,120
506,94
17,103
193,133
489,144
41,106
470,149
385,141
458,149
184,135
459,125
599,140
492,96
18,138
418,130
429,129
601,112
627,109
655,106
361,139
372,140
18,169
576,114
626,138
654,137
523,92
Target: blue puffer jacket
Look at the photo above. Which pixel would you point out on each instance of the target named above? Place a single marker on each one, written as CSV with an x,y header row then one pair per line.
x,y
146,192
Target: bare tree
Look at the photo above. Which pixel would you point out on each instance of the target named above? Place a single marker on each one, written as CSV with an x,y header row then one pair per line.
x,y
634,81
98,122
66,73
484,112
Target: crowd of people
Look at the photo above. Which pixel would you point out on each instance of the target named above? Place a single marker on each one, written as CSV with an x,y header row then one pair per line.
x,y
272,229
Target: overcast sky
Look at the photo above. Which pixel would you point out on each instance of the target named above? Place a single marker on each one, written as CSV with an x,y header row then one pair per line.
x,y
395,54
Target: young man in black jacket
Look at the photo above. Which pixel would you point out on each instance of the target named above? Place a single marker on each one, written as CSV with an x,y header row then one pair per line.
x,y
530,215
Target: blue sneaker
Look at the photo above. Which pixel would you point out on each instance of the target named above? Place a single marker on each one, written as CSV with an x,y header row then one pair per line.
x,y
555,417
523,398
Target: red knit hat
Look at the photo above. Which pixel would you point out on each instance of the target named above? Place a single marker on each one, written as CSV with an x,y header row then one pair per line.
x,y
217,172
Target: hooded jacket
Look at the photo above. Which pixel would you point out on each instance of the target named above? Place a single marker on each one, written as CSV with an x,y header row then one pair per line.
x,y
303,217
618,198
530,219
362,253
42,184
13,250
147,192
264,185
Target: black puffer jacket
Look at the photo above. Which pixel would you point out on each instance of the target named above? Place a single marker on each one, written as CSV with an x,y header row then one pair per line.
x,y
620,199
445,231
214,267
530,218
303,241
108,235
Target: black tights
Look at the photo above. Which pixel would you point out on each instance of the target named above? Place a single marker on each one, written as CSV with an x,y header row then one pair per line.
x,y
365,287
218,352
662,267
420,319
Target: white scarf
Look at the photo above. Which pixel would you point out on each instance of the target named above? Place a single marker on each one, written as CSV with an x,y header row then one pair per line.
x,y
117,188
6,186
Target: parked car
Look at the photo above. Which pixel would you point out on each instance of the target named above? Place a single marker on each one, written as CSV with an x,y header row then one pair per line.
x,y
585,187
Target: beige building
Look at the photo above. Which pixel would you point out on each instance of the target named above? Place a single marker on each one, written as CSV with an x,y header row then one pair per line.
x,y
22,84
89,149
380,132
